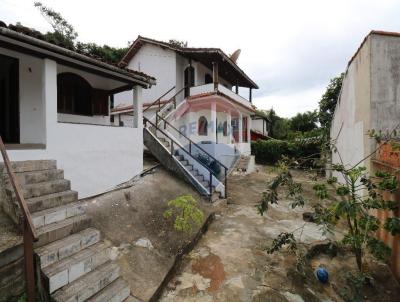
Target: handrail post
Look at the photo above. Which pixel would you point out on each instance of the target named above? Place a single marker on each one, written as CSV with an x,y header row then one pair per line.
x,y
172,148
190,147
29,267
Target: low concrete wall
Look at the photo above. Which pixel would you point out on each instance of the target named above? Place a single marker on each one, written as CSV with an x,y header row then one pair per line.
x,y
94,158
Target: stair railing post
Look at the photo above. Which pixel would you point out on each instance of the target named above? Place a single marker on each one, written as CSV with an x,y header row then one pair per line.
x,y
172,148
156,120
190,147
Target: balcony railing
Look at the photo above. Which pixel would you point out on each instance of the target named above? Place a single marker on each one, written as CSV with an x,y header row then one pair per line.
x,y
208,88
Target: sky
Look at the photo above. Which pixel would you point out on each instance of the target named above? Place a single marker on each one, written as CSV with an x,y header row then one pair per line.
x,y
290,48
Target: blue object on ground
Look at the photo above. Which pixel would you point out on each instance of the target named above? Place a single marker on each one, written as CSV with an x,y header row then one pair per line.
x,y
322,275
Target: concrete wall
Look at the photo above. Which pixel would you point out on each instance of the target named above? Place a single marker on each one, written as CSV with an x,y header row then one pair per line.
x,y
95,158
259,125
385,82
352,115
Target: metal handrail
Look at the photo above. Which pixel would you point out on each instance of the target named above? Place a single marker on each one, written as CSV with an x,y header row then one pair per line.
x,y
29,230
146,120
171,99
192,142
159,100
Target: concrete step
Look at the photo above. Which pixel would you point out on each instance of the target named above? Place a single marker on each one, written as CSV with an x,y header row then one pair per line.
x,y
57,214
199,177
32,165
27,178
67,246
73,267
59,230
132,299
51,200
117,291
43,188
88,285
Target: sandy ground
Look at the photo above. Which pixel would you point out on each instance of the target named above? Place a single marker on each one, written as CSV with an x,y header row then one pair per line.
x,y
230,262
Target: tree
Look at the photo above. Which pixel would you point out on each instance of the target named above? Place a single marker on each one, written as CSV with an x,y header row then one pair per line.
x,y
351,202
280,128
178,43
328,102
64,33
304,122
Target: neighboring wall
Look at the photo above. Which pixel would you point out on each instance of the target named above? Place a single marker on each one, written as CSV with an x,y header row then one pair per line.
x,y
352,115
385,81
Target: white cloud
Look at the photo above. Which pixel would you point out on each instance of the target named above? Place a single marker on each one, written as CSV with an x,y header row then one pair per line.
x,y
289,47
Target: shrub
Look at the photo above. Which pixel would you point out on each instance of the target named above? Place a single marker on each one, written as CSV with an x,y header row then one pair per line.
x,y
269,151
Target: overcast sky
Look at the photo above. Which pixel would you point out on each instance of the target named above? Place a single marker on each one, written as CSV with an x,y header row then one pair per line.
x,y
289,48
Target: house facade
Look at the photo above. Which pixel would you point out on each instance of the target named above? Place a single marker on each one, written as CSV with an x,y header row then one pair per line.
x,y
54,104
260,126
198,92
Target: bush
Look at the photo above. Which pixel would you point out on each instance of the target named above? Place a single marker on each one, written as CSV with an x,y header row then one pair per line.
x,y
271,151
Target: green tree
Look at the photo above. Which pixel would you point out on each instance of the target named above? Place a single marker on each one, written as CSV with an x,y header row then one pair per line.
x,y
304,122
178,43
280,128
328,102
64,33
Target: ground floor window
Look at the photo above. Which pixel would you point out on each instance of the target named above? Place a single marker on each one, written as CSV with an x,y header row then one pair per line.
x,y
76,96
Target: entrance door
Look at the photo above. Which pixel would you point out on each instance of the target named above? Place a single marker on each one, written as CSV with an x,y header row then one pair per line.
x,y
9,101
188,79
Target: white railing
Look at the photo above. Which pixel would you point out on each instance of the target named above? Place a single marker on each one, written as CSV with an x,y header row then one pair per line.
x,y
222,89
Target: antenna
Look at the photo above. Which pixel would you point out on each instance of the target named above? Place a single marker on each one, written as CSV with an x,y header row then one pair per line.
x,y
234,57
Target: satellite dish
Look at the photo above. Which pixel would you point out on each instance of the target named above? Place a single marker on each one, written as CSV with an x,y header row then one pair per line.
x,y
235,55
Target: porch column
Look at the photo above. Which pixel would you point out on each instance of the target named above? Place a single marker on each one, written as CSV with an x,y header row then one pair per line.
x,y
250,95
213,121
215,75
248,128
137,107
229,126
49,99
240,127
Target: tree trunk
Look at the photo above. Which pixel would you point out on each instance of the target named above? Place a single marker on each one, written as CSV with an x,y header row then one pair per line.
x,y
358,254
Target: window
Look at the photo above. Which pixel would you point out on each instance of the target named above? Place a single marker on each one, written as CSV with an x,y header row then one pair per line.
x,y
76,96
202,126
208,79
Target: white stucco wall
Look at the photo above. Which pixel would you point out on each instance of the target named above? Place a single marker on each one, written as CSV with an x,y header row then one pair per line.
x,y
94,158
31,108
259,125
352,115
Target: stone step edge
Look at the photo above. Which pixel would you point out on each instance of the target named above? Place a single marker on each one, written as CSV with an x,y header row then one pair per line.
x,y
73,267
117,291
68,246
90,284
56,214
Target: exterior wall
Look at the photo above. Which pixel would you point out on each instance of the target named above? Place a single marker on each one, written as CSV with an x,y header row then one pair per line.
x,y
95,158
385,82
161,64
32,127
260,125
352,115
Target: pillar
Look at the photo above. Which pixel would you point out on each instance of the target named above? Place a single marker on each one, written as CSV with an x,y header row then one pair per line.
x,y
49,99
240,127
215,75
229,125
137,107
248,128
213,120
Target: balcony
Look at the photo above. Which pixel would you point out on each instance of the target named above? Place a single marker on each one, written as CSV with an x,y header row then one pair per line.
x,y
209,88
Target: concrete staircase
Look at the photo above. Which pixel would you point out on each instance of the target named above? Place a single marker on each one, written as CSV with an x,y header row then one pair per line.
x,y
183,164
75,263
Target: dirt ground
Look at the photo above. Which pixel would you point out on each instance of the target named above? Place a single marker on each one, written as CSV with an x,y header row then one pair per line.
x,y
230,262
145,243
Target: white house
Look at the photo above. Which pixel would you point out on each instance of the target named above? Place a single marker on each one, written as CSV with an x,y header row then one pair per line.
x,y
260,126
195,86
54,104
